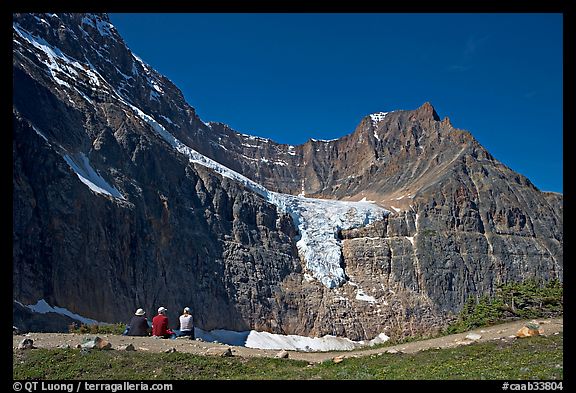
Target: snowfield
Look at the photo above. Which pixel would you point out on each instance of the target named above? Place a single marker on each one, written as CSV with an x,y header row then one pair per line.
x,y
265,340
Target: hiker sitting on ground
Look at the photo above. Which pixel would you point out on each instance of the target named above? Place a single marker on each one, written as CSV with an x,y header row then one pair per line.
x,y
160,325
186,324
138,325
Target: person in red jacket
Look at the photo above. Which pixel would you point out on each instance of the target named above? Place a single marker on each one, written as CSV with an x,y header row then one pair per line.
x,y
160,325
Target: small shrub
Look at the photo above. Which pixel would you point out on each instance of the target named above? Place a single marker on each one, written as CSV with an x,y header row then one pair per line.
x,y
428,232
117,328
525,300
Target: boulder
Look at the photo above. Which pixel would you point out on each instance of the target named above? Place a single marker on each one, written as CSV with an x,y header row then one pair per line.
x,y
128,347
27,343
338,359
529,331
95,343
473,336
283,354
103,344
218,351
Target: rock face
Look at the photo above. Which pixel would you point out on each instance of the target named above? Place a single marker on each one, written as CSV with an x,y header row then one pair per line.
x,y
177,234
108,217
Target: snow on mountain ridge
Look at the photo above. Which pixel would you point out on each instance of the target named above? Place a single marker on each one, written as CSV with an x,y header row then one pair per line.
x,y
103,27
378,116
60,64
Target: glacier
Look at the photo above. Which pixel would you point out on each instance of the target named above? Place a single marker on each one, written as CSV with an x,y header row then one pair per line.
x,y
318,220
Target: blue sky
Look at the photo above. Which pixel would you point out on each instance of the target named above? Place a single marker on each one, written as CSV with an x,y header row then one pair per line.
x,y
291,77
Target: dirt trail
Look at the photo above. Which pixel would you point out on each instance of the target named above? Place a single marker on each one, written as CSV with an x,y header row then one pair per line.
x,y
503,331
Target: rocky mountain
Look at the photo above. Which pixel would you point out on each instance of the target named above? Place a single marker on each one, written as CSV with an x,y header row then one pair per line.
x,y
124,198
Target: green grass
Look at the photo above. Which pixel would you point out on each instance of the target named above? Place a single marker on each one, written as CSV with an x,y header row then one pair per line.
x,y
530,358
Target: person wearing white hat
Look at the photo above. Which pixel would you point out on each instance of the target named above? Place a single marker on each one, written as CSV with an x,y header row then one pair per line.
x,y
186,324
160,325
138,324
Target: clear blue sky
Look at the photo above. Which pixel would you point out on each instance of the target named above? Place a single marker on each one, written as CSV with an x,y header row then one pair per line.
x,y
291,77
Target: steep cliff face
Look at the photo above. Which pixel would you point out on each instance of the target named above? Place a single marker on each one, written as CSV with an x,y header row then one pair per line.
x,y
111,213
190,238
106,217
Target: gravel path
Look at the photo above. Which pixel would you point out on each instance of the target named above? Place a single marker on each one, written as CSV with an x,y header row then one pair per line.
x,y
497,332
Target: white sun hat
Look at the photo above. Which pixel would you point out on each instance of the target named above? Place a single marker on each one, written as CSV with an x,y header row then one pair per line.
x,y
140,312
162,310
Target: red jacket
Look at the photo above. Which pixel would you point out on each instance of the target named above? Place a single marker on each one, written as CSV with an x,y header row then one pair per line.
x,y
160,325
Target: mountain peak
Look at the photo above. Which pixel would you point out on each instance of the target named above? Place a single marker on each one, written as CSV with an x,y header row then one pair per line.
x,y
428,111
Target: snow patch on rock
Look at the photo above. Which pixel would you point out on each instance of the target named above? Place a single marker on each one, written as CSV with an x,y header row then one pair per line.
x,y
42,307
265,340
87,175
